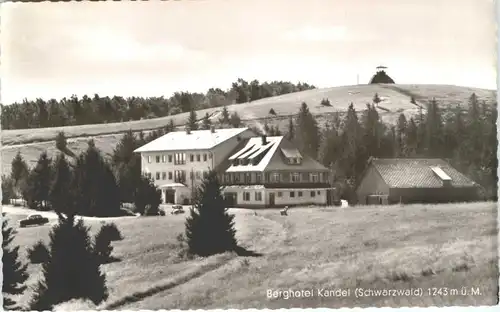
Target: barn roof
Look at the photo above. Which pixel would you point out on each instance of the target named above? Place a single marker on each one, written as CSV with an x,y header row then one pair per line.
x,y
419,173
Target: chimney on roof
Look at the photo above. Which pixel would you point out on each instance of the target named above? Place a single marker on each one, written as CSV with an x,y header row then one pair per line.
x,y
212,129
264,139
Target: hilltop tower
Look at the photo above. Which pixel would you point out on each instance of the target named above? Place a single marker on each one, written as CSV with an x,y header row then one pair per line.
x,y
381,76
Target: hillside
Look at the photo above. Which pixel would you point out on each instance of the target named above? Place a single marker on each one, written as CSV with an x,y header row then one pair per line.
x,y
378,247
395,100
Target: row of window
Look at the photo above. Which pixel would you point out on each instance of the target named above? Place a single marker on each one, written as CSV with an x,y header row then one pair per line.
x,y
179,158
177,175
300,194
274,177
258,195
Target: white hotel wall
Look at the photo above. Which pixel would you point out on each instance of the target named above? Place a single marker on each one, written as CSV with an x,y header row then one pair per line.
x,y
284,200
154,167
305,199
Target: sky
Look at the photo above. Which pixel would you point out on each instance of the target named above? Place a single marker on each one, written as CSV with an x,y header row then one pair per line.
x,y
153,48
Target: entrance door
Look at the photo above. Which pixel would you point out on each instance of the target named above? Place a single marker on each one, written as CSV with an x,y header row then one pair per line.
x,y
169,196
230,199
271,199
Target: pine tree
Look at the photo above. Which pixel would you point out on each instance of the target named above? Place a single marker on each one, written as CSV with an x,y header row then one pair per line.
x,y
225,116
60,194
376,99
73,270
290,135
372,131
192,124
14,272
8,192
206,122
411,139
400,135
61,142
209,228
307,134
97,189
354,157
39,182
146,194
170,126
434,130
127,165
19,171
235,120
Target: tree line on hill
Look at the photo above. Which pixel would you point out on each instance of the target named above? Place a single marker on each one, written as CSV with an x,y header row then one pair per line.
x,y
467,138
95,110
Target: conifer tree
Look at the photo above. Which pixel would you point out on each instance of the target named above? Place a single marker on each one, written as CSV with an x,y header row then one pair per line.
x,y
39,182
98,193
434,130
235,120
225,116
14,272
206,122
400,135
210,228
170,126
8,192
376,99
353,160
61,142
372,131
290,135
72,271
192,124
19,171
127,165
307,134
146,194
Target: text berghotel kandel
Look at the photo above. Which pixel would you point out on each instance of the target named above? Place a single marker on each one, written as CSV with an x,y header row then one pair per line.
x,y
342,292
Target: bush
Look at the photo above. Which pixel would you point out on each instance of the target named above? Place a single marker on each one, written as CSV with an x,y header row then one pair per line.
x,y
325,102
38,253
112,232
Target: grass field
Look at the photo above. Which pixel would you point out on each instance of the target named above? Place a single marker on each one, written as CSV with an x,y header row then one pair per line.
x,y
452,245
395,100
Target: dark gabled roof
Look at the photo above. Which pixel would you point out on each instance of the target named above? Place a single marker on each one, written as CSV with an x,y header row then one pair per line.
x,y
418,173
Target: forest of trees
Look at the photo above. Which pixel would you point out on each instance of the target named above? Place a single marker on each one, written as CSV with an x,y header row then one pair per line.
x,y
466,137
95,110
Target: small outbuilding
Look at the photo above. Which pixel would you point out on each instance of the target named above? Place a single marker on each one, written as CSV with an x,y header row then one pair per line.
x,y
408,180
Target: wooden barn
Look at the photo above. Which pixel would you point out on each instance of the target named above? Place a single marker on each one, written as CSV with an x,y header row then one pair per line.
x,y
407,180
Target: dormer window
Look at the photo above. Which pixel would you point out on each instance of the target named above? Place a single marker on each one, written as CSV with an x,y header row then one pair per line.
x,y
294,160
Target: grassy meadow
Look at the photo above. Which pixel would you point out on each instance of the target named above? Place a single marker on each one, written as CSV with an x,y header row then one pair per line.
x,y
395,100
373,247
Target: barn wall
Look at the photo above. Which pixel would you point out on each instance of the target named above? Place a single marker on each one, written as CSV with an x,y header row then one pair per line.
x,y
372,184
433,195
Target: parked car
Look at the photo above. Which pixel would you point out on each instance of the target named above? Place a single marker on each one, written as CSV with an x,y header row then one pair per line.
x,y
176,209
34,219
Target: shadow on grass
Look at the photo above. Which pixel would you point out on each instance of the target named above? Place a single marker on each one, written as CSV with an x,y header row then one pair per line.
x,y
243,252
